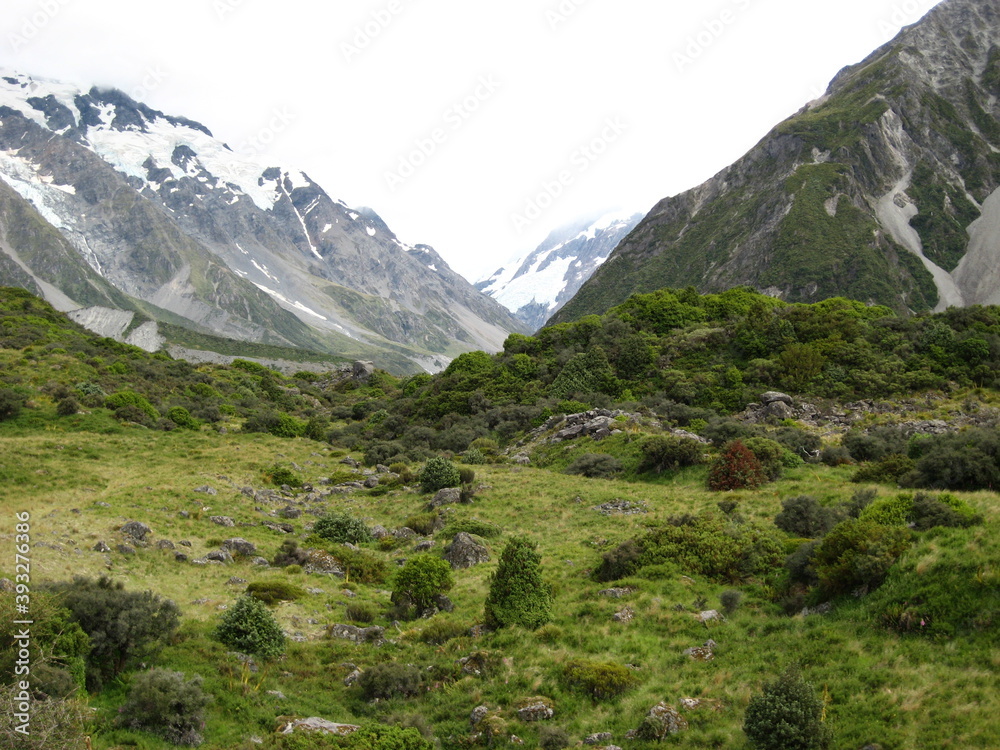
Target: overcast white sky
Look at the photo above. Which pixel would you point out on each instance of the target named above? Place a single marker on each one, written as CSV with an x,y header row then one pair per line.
x,y
473,127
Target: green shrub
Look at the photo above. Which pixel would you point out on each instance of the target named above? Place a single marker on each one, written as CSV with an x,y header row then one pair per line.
x,y
772,455
466,476
386,737
517,595
876,444
422,523
289,554
337,526
67,407
124,627
182,418
599,680
786,715
250,628
858,553
474,457
889,470
668,452
279,475
361,566
439,473
421,581
736,468
390,680
363,612
273,592
964,461
166,704
922,510
553,738
803,516
440,631
730,601
130,398
595,466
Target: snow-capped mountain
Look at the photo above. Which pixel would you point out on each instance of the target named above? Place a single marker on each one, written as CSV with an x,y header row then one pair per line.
x,y
111,203
536,285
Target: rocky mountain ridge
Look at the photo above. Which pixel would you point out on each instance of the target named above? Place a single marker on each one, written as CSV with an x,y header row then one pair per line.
x,y
883,190
106,202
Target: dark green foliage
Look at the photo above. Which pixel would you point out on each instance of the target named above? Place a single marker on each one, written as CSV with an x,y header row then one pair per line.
x,y
466,476
289,553
799,564
668,452
58,643
67,407
250,628
876,444
124,627
553,738
166,704
736,468
390,680
421,581
131,398
786,715
182,418
620,562
921,511
361,565
423,523
441,631
772,455
712,545
730,601
803,516
363,612
857,554
963,461
386,737
599,680
274,592
888,470
10,403
339,527
439,473
595,466
835,455
279,475
518,595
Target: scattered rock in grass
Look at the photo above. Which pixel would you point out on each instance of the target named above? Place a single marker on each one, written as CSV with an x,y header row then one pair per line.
x,y
125,549
625,616
374,634
220,555
322,562
102,504
180,557
101,547
236,581
165,544
276,694
700,653
710,615
616,593
207,490
222,520
7,586
600,738
352,678
379,532
662,721
446,496
621,508
281,528
136,530
478,714
316,725
535,709
405,533
260,562
465,552
184,543
424,546
240,547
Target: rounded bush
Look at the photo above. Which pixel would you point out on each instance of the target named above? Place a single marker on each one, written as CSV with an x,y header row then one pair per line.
x,y
439,473
421,581
390,680
668,452
595,466
736,468
274,592
517,594
600,680
786,715
339,527
250,628
164,703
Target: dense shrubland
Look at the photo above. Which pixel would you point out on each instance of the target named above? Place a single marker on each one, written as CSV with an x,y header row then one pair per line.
x,y
886,539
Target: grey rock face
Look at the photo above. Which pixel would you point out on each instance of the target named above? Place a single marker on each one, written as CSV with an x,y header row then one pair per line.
x,y
465,552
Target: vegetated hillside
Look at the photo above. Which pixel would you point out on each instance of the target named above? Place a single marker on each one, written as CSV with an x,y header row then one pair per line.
x,y
883,190
793,530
